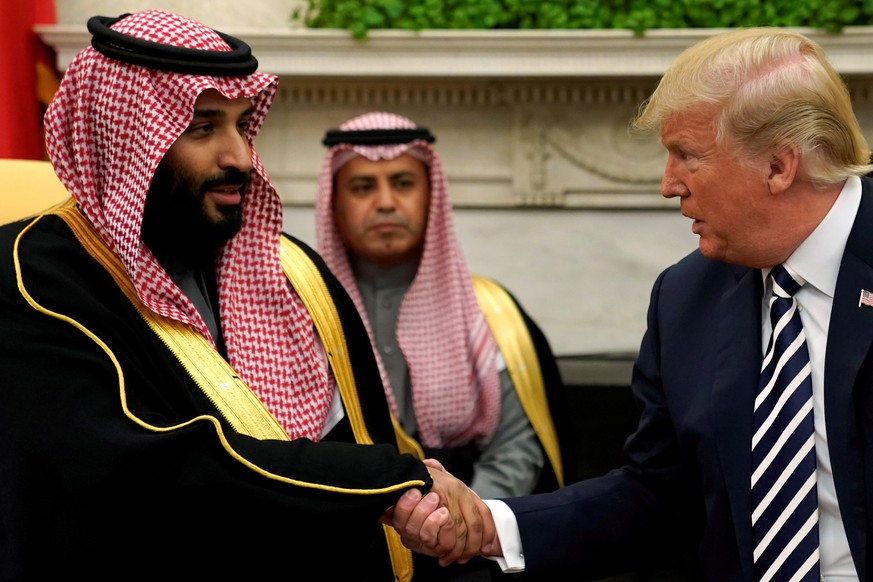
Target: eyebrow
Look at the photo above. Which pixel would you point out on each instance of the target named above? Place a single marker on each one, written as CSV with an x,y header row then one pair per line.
x,y
395,175
219,112
674,142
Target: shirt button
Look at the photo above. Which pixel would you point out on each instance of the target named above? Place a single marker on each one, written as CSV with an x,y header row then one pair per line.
x,y
388,350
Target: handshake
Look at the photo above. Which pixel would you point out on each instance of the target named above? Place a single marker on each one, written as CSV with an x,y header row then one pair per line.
x,y
450,522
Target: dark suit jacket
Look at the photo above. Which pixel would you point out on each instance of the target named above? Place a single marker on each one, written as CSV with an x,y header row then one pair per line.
x,y
689,464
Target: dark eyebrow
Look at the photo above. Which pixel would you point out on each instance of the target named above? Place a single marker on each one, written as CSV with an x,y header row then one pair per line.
x,y
394,176
213,113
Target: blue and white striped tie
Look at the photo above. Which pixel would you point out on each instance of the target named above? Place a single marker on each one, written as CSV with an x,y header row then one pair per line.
x,y
784,496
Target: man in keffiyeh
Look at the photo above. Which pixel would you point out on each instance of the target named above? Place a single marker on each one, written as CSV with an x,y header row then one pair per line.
x,y
466,371
185,388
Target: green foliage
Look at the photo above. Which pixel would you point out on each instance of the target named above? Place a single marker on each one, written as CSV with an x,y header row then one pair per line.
x,y
361,16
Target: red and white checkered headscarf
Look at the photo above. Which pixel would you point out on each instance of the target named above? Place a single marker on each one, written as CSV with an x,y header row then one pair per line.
x,y
448,347
107,129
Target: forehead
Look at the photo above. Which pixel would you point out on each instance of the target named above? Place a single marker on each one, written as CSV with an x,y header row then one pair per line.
x,y
696,126
212,100
361,167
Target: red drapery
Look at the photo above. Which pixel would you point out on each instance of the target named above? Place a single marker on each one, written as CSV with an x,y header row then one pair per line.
x,y
28,77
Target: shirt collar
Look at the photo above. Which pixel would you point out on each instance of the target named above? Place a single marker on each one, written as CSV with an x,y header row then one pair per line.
x,y
817,259
396,276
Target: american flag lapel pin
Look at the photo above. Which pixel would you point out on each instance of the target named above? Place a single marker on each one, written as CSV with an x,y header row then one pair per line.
x,y
866,298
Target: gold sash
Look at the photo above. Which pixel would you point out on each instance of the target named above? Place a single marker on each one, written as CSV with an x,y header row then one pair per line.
x,y
516,346
306,279
235,401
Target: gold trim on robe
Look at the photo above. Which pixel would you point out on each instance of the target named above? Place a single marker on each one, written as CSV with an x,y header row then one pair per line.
x,y
305,278
234,400
211,372
512,337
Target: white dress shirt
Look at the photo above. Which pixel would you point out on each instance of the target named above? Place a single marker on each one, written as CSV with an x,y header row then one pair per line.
x,y
817,261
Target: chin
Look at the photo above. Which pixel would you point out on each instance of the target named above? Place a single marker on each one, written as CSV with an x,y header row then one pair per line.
x,y
711,252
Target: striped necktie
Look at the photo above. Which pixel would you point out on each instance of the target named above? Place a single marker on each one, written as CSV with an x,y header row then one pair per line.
x,y
784,497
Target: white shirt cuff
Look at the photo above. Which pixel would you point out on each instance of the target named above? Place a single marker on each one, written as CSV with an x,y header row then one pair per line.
x,y
512,559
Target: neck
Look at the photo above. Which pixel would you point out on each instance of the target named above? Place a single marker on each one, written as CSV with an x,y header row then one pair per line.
x,y
801,214
397,274
180,252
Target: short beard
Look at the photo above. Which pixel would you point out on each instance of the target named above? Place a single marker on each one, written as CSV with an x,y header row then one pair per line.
x,y
175,224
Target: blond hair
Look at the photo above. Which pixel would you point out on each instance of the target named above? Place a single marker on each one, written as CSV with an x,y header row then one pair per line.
x,y
770,88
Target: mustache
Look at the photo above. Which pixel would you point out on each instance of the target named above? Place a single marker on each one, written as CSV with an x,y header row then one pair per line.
x,y
228,177
382,220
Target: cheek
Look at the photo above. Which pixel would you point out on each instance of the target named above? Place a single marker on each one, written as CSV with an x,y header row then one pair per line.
x,y
420,220
708,187
729,209
417,211
342,226
350,219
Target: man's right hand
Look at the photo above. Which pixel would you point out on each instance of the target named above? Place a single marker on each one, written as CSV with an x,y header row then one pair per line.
x,y
450,522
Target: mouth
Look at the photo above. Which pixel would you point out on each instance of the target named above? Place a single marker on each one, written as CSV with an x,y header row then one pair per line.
x,y
696,223
226,194
380,226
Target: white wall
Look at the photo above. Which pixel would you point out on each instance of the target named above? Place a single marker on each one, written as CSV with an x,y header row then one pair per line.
x,y
584,277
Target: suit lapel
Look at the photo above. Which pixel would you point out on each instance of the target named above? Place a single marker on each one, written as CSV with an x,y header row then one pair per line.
x,y
849,339
738,363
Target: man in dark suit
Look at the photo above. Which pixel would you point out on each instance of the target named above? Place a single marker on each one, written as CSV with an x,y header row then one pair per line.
x,y
766,157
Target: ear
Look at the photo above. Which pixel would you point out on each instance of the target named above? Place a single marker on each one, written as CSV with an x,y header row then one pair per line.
x,y
783,169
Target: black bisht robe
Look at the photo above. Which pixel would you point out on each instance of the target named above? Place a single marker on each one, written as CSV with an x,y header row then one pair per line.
x,y
86,488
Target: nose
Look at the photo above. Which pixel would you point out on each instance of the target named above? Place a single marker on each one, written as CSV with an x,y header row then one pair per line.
x,y
671,185
384,197
235,152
